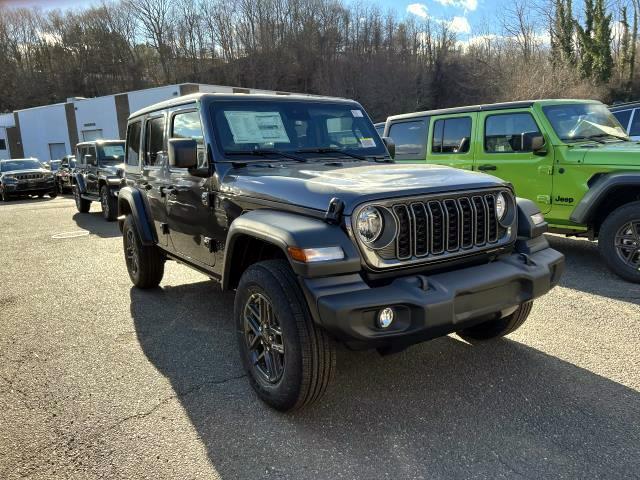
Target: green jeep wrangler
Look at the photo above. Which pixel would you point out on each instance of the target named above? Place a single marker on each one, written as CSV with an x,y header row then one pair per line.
x,y
572,157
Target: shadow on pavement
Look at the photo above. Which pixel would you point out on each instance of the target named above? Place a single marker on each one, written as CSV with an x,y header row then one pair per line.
x,y
587,272
442,409
96,224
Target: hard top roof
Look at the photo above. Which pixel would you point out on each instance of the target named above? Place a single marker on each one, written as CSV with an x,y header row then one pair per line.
x,y
235,96
487,107
99,142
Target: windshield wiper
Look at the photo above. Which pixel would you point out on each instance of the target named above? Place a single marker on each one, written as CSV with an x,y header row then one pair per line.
x,y
568,139
619,137
335,151
264,152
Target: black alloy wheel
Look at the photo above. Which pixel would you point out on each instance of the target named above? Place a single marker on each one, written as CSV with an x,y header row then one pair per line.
x,y
263,335
627,244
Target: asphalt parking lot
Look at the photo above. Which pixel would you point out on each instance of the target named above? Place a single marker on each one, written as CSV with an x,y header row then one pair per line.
x,y
99,380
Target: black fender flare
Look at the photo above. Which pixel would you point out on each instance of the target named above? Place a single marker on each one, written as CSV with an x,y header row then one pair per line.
x,y
284,230
79,182
133,201
598,191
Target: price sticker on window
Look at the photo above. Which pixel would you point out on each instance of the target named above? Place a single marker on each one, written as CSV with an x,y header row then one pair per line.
x,y
356,113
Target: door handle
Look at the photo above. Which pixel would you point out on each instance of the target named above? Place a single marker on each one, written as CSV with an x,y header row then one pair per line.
x,y
164,191
487,167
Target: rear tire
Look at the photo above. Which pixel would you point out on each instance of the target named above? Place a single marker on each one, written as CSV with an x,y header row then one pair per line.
x,y
53,194
302,355
145,263
498,327
619,241
109,204
82,205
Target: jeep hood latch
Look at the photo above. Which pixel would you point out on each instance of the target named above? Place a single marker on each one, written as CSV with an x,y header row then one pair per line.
x,y
334,211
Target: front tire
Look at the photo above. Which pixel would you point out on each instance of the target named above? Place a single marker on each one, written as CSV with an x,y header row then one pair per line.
x,y
289,360
109,204
82,205
145,263
619,241
53,194
498,327
5,196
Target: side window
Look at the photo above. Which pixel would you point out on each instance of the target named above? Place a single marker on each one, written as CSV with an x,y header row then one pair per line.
x,y
623,117
154,140
410,139
188,125
92,158
133,143
634,129
505,133
452,135
344,131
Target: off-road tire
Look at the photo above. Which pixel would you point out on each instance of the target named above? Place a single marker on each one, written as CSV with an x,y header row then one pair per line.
x,y
5,196
149,259
498,327
82,205
309,352
109,204
53,194
606,241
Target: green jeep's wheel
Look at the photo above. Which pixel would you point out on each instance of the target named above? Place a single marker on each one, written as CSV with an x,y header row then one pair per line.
x,y
82,205
145,263
619,241
498,327
288,358
109,204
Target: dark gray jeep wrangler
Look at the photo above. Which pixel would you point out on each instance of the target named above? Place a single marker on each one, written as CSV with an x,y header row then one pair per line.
x,y
296,204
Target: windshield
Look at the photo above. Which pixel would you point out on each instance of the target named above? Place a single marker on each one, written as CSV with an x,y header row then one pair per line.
x,y
111,153
294,127
11,165
583,121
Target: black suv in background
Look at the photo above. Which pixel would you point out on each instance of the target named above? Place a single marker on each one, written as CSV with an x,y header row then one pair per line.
x,y
25,176
64,174
98,175
295,203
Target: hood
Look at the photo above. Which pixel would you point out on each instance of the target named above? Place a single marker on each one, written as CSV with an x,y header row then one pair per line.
x,y
113,169
28,170
619,153
313,185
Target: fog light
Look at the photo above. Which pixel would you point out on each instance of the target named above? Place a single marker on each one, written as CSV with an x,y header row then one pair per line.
x,y
385,317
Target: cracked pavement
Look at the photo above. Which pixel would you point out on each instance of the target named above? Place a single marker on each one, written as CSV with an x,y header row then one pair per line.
x,y
99,380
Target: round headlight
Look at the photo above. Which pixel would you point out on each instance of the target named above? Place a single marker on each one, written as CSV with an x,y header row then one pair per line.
x,y
369,224
501,206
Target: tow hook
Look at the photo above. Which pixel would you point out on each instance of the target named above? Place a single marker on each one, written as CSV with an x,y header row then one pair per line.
x,y
527,260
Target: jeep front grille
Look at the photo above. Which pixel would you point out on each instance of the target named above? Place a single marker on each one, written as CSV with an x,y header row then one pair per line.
x,y
29,176
442,227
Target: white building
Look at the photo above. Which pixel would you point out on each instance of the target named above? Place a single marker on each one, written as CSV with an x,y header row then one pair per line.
x,y
52,131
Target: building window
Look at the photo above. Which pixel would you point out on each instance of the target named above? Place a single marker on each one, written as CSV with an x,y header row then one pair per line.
x,y
505,133
410,139
57,151
91,135
452,135
3,144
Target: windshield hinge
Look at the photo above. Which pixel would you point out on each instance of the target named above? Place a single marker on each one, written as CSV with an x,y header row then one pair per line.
x,y
334,211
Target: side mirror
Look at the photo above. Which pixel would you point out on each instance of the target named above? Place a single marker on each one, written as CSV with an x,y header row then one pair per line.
x,y
183,153
533,142
391,146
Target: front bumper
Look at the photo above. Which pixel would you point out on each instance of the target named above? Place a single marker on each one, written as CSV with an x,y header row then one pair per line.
x,y
26,188
429,306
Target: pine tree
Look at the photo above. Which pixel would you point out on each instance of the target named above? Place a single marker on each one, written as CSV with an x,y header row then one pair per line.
x,y
562,30
594,40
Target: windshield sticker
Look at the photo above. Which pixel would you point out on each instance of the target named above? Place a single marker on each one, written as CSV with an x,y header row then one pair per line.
x,y
367,142
356,113
256,127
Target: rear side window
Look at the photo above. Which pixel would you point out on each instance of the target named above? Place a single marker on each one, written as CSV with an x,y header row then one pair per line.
x,y
410,139
91,155
133,143
154,140
634,129
452,135
504,133
623,117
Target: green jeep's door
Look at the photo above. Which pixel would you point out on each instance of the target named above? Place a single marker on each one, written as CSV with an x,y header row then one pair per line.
x,y
449,141
501,149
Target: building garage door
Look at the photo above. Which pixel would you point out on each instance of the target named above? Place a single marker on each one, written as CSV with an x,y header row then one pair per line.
x,y
57,151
